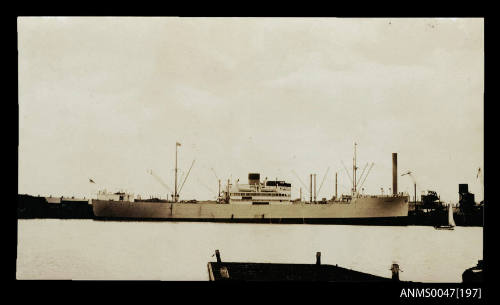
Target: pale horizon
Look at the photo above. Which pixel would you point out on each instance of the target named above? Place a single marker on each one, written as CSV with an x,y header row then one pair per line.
x,y
107,99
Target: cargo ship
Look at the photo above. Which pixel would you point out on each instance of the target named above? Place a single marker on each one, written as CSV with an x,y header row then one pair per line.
x,y
264,202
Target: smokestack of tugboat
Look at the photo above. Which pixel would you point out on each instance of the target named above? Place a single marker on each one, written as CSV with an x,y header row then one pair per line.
x,y
394,174
253,178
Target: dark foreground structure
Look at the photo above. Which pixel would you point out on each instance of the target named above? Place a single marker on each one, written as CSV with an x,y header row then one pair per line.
x,y
223,271
474,274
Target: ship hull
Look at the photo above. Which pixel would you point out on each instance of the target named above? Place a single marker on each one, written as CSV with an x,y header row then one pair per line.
x,y
365,210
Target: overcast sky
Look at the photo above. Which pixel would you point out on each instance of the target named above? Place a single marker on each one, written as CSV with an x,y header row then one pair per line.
x,y
107,99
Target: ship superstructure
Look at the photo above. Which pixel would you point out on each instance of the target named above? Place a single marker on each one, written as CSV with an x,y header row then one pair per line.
x,y
116,196
256,192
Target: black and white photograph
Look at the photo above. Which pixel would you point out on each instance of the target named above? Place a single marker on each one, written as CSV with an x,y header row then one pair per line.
x,y
251,149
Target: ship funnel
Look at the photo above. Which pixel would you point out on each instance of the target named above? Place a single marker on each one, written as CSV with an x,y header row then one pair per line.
x,y
394,173
253,178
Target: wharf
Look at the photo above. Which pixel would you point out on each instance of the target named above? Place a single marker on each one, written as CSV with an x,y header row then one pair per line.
x,y
29,207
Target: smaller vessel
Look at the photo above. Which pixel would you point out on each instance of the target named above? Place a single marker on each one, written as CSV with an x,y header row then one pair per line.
x,y
451,222
263,272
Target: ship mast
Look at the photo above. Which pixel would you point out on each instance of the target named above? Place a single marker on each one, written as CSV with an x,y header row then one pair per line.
x,y
354,170
177,144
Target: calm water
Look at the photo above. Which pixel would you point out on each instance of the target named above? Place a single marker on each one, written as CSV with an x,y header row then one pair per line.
x,y
87,249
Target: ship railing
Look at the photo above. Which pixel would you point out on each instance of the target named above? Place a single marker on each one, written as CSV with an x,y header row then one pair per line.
x,y
385,195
